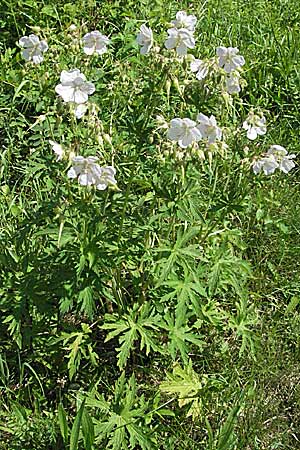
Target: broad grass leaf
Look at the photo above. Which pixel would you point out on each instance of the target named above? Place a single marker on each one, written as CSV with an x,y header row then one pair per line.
x,y
63,425
74,437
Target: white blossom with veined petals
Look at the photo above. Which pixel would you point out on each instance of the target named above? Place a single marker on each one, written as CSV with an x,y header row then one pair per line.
x,y
200,68
90,173
73,87
255,125
107,178
276,158
229,58
180,40
185,21
58,150
267,164
33,48
95,42
233,83
284,160
208,128
183,131
145,39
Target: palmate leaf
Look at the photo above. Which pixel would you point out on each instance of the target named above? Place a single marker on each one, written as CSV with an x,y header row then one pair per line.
x,y
179,337
117,439
78,344
138,436
187,386
121,424
127,344
228,271
187,292
243,324
140,324
86,299
179,254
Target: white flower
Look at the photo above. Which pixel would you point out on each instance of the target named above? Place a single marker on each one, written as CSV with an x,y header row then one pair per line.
x,y
276,158
200,67
145,39
185,21
229,58
181,39
107,177
183,131
58,150
208,128
95,42
33,48
80,110
268,164
255,125
282,157
89,172
233,83
74,87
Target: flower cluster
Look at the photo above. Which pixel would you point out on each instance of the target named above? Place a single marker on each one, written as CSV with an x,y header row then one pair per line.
x,y
185,131
230,61
255,125
89,173
181,35
276,157
74,89
86,170
33,48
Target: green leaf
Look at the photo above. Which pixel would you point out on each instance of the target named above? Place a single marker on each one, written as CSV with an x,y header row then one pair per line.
x,y
294,302
226,435
87,430
74,438
62,421
137,325
185,384
86,299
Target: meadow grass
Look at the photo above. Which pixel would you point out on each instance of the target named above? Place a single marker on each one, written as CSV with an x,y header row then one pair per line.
x,y
163,314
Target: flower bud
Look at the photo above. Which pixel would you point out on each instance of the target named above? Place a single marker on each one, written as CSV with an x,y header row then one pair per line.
x,y
201,154
99,139
36,29
71,155
168,88
227,98
177,85
5,189
107,139
189,58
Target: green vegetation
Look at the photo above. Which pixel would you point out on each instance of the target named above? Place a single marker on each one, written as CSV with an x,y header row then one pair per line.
x,y
164,312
